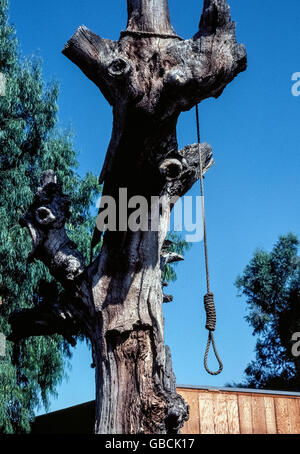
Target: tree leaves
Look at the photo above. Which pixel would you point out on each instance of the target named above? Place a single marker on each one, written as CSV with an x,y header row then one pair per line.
x,y
271,285
30,142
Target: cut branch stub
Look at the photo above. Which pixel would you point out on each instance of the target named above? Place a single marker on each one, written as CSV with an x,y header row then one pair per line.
x,y
45,220
168,299
93,55
190,157
149,16
52,314
170,168
43,322
215,14
169,257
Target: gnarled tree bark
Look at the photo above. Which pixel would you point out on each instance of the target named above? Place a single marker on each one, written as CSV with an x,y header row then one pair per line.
x,y
149,76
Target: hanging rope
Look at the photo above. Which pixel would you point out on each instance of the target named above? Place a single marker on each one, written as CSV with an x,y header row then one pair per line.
x,y
209,303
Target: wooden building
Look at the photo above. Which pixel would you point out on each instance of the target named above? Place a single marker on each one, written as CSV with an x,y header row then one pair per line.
x,y
241,411
212,411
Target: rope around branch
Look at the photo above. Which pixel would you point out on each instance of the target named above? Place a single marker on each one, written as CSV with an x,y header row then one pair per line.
x,y
209,304
145,34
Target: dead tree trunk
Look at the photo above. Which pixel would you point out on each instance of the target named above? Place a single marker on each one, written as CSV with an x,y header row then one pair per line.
x,y
149,76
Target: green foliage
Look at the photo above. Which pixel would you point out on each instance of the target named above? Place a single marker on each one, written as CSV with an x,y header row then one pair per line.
x,y
271,284
30,143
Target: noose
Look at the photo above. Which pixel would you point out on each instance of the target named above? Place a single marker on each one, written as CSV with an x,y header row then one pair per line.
x,y
209,303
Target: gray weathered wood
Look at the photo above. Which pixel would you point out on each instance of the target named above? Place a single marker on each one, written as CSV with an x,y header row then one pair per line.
x,y
149,16
149,76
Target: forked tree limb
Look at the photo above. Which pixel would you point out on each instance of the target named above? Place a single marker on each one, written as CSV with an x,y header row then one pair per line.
x,y
182,73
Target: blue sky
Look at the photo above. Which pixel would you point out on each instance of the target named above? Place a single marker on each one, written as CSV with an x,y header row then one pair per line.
x,y
252,192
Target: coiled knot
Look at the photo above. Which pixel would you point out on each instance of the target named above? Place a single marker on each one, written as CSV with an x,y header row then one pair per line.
x,y
211,317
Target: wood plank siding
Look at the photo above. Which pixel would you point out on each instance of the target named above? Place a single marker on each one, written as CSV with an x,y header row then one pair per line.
x,y
229,411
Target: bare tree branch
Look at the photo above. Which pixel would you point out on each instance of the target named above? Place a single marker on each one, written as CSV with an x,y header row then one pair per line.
x,y
45,220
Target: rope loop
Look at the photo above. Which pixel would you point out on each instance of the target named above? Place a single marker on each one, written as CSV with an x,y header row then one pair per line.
x,y
209,341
